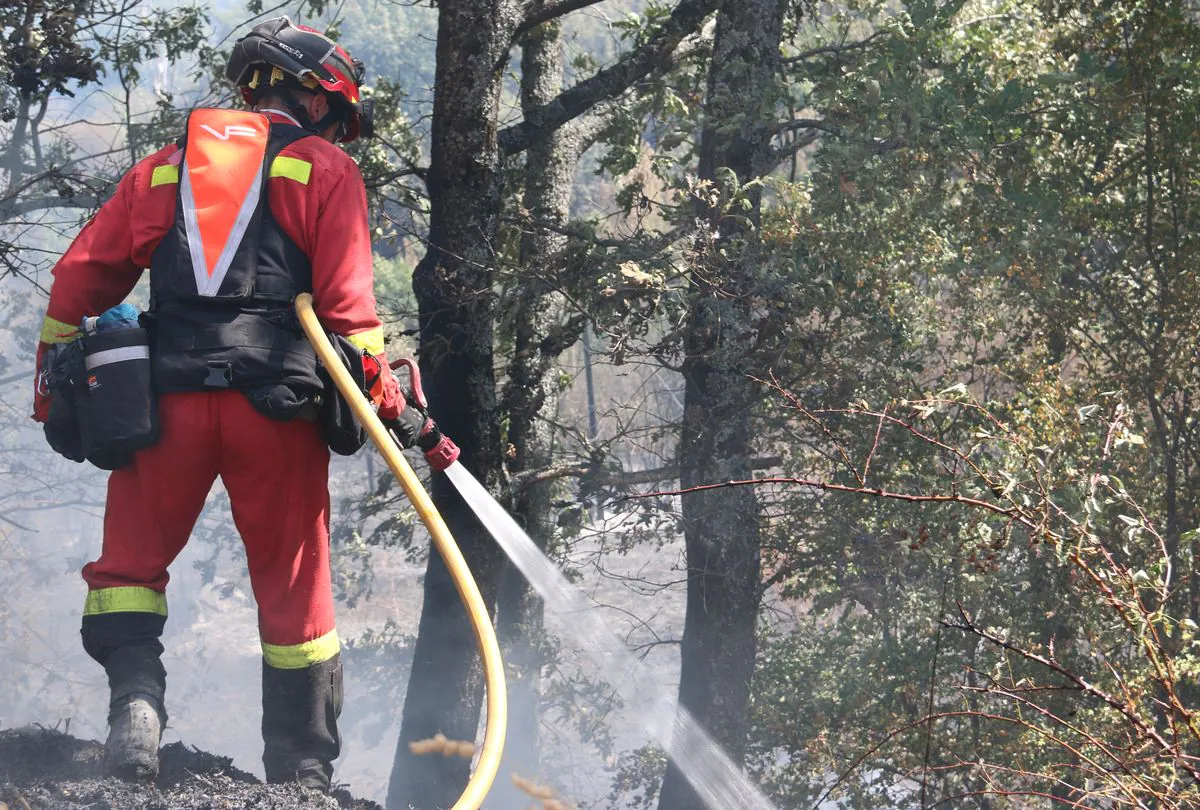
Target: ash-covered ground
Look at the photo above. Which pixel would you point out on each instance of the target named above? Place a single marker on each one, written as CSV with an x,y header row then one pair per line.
x,y
42,769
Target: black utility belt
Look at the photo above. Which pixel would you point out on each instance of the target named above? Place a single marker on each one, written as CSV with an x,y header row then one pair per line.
x,y
102,404
103,385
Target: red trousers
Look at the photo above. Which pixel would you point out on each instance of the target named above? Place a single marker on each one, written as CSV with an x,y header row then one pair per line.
x,y
277,476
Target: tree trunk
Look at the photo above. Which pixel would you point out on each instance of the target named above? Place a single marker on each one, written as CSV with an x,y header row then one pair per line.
x,y
14,159
453,286
722,526
549,171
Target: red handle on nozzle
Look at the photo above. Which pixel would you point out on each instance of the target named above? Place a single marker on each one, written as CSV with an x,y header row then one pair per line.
x,y
414,376
445,452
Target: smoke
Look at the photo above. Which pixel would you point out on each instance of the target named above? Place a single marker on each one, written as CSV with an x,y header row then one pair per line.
x,y
51,520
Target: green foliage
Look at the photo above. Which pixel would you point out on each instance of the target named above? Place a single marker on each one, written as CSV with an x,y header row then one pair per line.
x,y
41,54
639,774
1002,208
170,33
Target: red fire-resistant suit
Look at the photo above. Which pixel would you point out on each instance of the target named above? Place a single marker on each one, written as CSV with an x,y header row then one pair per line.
x,y
275,472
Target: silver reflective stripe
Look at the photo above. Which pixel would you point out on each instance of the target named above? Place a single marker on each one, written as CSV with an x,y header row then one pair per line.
x,y
205,284
195,243
116,356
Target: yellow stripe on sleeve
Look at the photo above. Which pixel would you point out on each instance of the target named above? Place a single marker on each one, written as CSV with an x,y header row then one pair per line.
x,y
370,341
57,331
291,168
164,175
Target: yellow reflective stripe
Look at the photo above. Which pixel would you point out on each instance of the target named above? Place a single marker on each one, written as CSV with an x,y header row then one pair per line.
x,y
58,332
300,656
126,599
371,341
291,168
164,175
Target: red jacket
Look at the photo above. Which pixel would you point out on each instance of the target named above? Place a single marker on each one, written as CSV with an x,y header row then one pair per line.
x,y
316,194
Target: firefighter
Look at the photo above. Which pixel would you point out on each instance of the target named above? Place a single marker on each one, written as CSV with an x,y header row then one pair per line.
x,y
249,209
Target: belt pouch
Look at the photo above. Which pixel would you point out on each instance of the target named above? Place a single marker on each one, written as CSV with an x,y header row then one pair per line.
x,y
343,433
120,416
61,367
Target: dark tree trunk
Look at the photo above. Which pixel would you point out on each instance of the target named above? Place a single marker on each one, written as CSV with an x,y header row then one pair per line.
x,y
454,289
549,170
453,286
722,526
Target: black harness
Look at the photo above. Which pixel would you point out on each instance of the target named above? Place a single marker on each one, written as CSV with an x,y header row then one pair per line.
x,y
245,336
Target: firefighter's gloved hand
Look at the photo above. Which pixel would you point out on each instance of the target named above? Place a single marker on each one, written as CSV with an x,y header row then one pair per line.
x,y
414,428
408,424
382,387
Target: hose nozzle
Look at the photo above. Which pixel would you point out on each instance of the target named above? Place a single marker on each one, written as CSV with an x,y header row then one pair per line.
x,y
442,454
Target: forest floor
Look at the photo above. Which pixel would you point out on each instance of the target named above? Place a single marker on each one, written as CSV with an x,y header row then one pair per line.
x,y
42,769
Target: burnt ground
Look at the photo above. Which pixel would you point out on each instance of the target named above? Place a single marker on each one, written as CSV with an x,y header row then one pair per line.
x,y
43,769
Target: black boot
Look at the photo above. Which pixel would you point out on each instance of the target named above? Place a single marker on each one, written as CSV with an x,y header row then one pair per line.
x,y
137,713
299,725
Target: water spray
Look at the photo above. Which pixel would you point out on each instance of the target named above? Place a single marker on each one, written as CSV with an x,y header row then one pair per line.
x,y
719,783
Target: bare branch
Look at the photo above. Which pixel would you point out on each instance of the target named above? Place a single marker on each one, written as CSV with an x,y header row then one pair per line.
x,y
618,479
1012,513
1142,726
832,50
544,14
610,82
587,128
29,205
793,146
812,128
809,123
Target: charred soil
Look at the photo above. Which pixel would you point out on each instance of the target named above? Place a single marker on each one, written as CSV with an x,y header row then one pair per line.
x,y
42,769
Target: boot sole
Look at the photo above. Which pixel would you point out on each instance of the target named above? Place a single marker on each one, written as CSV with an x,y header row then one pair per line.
x,y
134,772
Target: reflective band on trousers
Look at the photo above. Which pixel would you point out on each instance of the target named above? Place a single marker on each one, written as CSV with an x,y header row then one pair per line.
x,y
116,356
125,599
302,656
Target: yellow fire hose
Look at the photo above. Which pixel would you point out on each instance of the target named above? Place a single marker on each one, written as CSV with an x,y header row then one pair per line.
x,y
497,703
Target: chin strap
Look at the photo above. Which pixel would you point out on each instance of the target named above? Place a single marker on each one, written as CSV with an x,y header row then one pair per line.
x,y
297,110
300,113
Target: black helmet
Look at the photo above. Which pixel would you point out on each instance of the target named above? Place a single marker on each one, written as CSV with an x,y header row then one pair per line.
x,y
278,48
